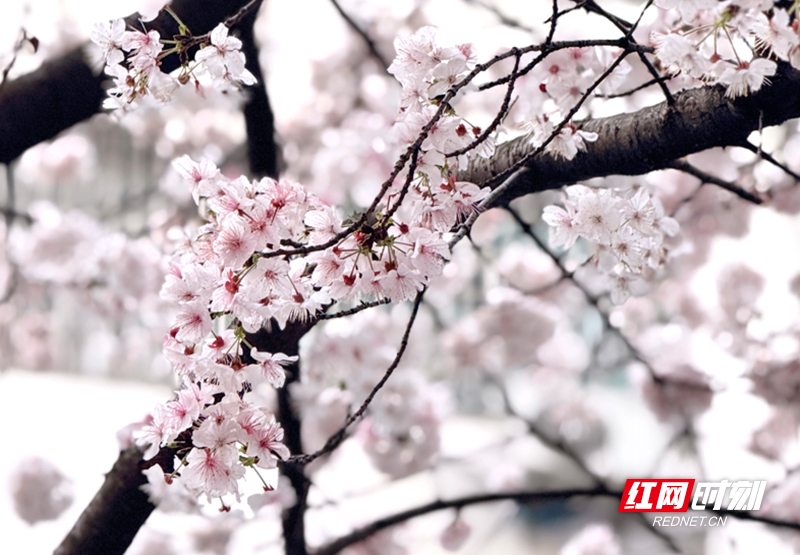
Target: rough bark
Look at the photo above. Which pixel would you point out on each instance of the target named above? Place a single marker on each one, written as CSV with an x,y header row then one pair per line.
x,y
66,90
648,140
262,149
288,342
112,519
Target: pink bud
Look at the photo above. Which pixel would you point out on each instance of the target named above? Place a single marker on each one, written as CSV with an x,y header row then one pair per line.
x,y
455,536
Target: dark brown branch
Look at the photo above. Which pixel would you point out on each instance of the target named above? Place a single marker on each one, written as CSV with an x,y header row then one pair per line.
x,y
521,497
9,212
650,139
65,90
287,341
262,149
116,513
686,167
769,158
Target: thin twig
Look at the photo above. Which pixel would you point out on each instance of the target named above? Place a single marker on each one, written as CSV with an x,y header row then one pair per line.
x,y
501,114
644,85
363,34
769,158
17,47
593,300
337,438
521,497
627,29
686,167
553,23
557,129
354,310
564,448
639,19
503,18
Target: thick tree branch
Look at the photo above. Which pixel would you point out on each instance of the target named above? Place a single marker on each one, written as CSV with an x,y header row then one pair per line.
x,y
116,513
65,90
647,140
287,341
262,149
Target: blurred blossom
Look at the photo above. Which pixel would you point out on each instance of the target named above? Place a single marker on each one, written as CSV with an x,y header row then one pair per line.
x,y
739,289
573,423
595,539
379,543
67,160
214,535
527,269
58,247
682,392
504,333
455,535
773,438
283,496
39,490
782,502
32,341
149,9
779,385
148,542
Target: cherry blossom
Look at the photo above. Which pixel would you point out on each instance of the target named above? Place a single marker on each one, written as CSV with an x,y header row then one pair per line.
x,y
133,60
628,233
747,77
223,59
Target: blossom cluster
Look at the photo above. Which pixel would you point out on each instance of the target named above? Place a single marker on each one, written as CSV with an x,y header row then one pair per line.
x,y
427,72
133,60
565,144
232,279
557,85
733,44
627,231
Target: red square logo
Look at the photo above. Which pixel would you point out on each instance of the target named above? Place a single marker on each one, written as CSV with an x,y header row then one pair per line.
x,y
656,496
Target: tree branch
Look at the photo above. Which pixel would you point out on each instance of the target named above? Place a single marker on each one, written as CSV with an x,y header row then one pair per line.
x,y
373,49
66,90
262,149
705,177
115,514
336,439
650,139
521,497
287,341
